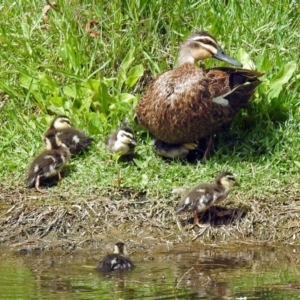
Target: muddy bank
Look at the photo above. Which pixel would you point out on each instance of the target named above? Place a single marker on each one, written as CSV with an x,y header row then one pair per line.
x,y
69,221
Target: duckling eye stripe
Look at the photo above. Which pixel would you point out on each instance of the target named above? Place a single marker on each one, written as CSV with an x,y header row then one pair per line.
x,y
66,121
128,135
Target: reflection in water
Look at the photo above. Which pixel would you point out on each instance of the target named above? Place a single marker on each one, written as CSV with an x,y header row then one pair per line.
x,y
199,273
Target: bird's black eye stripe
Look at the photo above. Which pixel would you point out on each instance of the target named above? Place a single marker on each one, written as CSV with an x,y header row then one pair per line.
x,y
208,42
127,135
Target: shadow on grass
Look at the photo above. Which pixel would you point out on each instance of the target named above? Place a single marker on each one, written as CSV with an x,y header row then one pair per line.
x,y
219,216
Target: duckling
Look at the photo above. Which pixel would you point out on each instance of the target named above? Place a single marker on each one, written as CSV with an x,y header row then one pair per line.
x,y
173,151
188,103
121,141
49,163
73,138
204,195
117,260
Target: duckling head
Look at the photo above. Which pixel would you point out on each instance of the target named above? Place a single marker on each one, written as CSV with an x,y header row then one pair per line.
x,y
120,248
227,180
61,122
201,45
125,136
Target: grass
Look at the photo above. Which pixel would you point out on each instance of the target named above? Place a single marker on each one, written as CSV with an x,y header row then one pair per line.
x,y
54,67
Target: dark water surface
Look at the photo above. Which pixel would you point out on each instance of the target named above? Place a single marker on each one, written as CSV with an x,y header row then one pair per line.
x,y
171,272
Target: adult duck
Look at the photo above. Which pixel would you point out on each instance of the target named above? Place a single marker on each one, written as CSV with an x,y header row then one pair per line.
x,y
186,104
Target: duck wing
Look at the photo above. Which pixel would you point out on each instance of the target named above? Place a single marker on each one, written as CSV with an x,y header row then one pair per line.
x,y
188,103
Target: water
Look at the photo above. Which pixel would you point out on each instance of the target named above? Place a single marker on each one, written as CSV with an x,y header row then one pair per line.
x,y
174,272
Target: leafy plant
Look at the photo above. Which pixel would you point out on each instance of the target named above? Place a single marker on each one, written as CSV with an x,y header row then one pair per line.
x,y
268,102
99,100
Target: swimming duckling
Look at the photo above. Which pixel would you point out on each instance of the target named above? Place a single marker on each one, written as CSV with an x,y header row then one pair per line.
x,y
121,141
188,103
204,195
49,163
73,138
117,260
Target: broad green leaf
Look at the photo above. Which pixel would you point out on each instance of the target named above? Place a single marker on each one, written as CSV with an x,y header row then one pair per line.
x,y
139,163
48,84
297,163
124,67
85,104
108,81
92,84
57,101
39,98
282,77
105,97
76,91
125,97
245,59
29,82
95,125
134,75
56,110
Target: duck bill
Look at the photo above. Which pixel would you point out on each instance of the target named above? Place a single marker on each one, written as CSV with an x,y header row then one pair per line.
x,y
221,55
133,142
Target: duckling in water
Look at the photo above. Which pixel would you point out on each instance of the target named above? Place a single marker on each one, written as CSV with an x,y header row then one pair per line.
x,y
187,103
117,260
204,195
121,141
73,138
49,163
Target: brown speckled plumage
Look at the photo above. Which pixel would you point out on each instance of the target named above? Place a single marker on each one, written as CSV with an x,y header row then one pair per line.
x,y
48,163
178,106
76,140
204,195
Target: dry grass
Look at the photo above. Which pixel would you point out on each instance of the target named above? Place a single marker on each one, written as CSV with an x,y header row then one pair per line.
x,y
48,222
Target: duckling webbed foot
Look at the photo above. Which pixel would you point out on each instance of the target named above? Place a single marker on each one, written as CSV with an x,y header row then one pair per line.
x,y
197,222
59,176
37,186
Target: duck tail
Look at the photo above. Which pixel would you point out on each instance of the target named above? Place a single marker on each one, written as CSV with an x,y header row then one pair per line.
x,y
241,96
86,142
243,84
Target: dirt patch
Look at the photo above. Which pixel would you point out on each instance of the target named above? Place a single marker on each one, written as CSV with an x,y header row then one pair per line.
x,y
69,221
